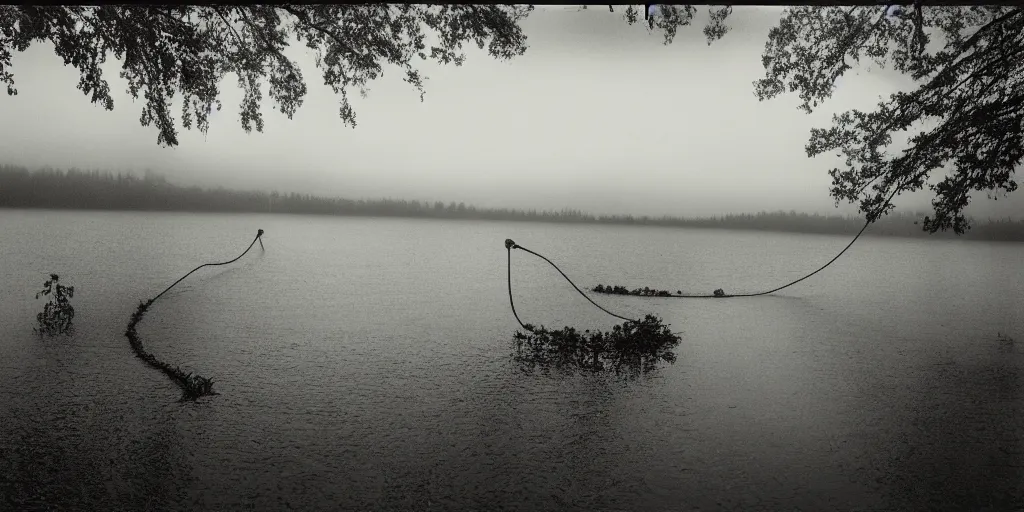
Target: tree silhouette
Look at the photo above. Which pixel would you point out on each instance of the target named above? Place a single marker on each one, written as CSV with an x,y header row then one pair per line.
x,y
970,93
968,110
188,49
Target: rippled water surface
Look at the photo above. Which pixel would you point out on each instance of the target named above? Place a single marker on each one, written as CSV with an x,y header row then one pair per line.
x,y
364,364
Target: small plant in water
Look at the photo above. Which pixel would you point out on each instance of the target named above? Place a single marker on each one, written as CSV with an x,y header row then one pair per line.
x,y
635,345
194,386
1005,340
58,312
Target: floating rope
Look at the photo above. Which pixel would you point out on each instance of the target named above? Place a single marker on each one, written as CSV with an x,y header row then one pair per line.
x,y
718,294
509,245
193,386
259,233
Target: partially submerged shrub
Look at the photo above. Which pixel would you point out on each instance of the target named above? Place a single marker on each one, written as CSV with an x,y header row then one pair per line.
x,y
636,345
195,386
57,312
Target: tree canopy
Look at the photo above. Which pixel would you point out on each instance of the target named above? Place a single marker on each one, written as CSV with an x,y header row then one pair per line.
x,y
968,63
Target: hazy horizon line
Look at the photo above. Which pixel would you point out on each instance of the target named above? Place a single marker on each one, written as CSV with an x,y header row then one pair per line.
x,y
149,174
156,176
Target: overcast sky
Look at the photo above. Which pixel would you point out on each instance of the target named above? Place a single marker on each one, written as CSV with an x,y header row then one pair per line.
x,y
597,115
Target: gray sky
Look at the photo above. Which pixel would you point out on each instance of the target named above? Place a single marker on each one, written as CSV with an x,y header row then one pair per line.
x,y
598,115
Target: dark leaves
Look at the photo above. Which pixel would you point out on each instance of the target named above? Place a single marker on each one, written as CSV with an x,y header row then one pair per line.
x,y
968,110
636,346
668,19
192,386
640,292
187,50
716,28
58,312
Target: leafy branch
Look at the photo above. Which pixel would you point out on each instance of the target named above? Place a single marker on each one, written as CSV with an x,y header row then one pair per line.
x,y
58,313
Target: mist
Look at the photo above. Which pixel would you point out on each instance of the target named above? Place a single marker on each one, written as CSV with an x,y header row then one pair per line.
x,y
597,115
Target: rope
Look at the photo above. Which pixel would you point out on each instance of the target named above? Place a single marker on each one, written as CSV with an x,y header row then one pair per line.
x,y
510,244
193,386
258,235
787,285
870,219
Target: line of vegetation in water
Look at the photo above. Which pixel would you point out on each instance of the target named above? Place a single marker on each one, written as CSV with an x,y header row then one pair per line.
x,y
640,292
192,386
95,190
647,291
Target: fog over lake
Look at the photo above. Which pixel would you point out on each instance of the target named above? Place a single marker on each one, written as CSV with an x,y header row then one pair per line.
x,y
597,115
364,364
364,352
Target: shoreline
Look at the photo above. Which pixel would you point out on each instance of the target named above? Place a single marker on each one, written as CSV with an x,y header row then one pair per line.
x,y
78,190
698,224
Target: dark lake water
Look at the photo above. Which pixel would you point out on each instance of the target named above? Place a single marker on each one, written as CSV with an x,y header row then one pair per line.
x,y
364,364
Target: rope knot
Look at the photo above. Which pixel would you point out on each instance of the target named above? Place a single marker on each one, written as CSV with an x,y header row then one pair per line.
x,y
510,244
259,232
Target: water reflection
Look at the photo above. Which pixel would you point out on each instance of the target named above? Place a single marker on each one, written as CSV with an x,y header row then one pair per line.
x,y
373,381
959,444
89,451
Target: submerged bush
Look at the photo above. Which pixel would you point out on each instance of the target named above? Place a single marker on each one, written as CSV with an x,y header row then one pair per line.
x,y
58,312
635,345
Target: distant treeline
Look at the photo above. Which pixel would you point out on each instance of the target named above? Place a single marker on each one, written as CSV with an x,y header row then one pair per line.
x,y
95,190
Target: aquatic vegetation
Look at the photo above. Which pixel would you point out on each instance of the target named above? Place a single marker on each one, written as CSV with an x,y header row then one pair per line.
x,y
635,345
192,386
651,292
58,313
641,292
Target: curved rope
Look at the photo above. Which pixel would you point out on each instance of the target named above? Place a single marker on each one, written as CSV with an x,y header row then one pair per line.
x,y
508,247
787,285
510,244
258,235
192,386
870,219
